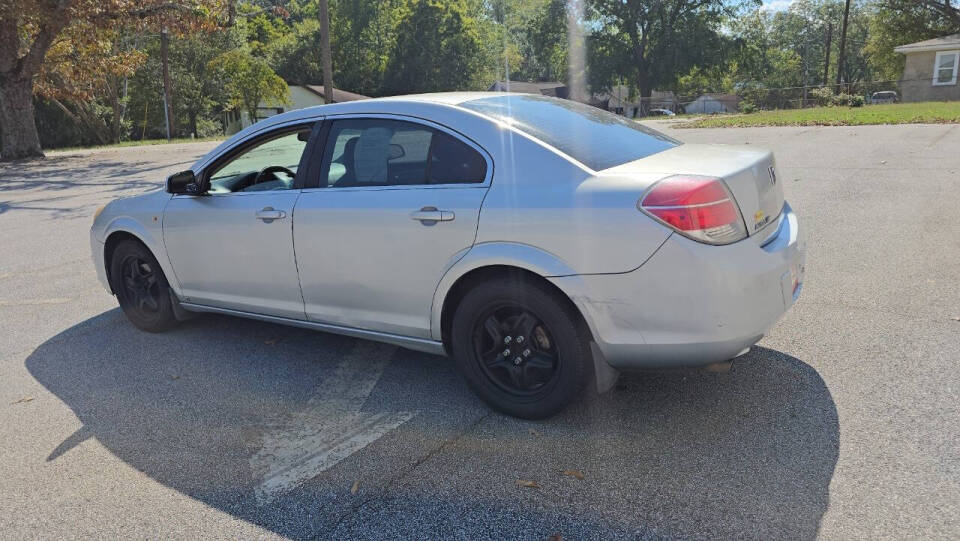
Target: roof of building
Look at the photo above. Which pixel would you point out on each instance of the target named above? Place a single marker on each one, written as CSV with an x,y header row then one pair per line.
x,y
546,88
936,44
619,96
339,96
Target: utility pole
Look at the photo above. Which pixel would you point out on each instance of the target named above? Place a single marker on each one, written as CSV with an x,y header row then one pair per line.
x,y
803,55
325,51
843,44
826,63
167,101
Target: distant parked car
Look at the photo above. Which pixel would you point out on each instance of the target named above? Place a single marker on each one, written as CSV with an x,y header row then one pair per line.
x,y
661,112
886,96
531,238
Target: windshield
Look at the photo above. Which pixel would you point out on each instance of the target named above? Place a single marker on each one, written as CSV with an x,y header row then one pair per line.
x,y
593,137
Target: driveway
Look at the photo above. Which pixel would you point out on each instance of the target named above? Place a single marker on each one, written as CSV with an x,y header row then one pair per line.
x,y
843,423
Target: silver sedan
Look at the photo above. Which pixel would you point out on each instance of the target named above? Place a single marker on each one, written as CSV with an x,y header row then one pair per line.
x,y
543,244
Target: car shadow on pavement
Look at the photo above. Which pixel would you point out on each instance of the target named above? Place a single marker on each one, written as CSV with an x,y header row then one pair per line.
x,y
682,454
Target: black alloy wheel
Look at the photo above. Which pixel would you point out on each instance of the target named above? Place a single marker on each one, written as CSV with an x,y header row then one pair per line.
x,y
521,347
515,350
141,287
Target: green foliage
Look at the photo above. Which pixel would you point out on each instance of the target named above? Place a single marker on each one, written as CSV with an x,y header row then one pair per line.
x,y
771,59
747,107
822,96
248,81
438,47
898,113
653,44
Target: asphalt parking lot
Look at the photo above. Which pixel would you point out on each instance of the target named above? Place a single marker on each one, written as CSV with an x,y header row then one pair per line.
x,y
843,423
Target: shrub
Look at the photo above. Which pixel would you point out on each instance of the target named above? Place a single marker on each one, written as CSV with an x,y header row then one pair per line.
x,y
747,106
822,96
848,100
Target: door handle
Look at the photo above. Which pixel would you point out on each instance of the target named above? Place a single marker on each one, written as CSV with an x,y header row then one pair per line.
x,y
269,214
430,215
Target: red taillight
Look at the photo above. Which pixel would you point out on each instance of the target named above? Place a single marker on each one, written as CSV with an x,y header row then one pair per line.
x,y
699,207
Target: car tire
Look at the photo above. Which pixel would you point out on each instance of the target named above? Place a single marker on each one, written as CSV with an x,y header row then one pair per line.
x,y
521,348
141,287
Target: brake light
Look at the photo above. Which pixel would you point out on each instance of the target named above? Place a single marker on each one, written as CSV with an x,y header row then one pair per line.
x,y
701,208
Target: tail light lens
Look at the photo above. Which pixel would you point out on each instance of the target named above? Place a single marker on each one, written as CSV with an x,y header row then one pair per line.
x,y
701,208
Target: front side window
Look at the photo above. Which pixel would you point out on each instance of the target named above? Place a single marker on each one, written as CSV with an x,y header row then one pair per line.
x,y
386,152
269,164
591,136
945,68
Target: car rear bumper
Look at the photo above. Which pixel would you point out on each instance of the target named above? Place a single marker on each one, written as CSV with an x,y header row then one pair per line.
x,y
693,304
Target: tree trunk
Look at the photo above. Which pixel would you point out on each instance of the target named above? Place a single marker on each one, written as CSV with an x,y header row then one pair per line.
x,y
167,98
19,134
325,55
826,63
843,46
115,119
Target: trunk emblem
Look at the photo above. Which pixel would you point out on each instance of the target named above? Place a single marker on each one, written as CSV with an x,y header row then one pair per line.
x,y
760,219
773,175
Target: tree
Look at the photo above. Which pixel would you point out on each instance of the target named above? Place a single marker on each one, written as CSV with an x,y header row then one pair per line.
x,y
325,57
249,81
946,12
28,29
438,47
652,43
898,22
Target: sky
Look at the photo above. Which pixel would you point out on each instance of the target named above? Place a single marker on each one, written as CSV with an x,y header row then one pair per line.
x,y
777,5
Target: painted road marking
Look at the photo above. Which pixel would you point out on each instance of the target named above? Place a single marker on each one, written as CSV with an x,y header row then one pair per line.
x,y
330,428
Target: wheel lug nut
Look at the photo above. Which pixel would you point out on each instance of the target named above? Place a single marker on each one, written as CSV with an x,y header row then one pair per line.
x,y
507,340
526,353
519,339
506,352
518,360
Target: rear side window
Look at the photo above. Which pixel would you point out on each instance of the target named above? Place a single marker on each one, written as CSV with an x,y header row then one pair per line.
x,y
387,152
591,136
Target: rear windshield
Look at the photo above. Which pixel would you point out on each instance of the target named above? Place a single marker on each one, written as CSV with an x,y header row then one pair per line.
x,y
592,136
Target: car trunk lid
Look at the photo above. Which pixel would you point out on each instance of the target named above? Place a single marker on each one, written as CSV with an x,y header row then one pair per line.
x,y
749,172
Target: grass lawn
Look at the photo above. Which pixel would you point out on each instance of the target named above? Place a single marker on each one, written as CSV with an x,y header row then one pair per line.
x,y
931,112
143,143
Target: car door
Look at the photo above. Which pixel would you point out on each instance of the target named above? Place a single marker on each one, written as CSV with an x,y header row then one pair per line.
x,y
396,204
232,247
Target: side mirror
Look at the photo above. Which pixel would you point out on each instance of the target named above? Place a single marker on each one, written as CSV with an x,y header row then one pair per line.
x,y
396,151
184,182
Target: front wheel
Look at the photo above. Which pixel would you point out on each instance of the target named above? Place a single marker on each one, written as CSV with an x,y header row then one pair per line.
x,y
520,348
141,287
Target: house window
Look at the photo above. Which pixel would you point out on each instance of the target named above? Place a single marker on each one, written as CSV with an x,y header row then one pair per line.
x,y
945,68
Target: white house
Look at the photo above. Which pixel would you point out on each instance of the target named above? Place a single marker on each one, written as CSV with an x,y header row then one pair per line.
x,y
931,69
300,97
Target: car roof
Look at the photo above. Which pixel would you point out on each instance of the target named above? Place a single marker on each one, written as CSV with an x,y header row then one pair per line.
x,y
385,105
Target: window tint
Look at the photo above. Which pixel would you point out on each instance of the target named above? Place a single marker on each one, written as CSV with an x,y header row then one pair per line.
x,y
269,164
452,161
593,137
384,152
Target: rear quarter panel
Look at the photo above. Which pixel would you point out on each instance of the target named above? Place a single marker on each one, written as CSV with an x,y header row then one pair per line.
x,y
589,221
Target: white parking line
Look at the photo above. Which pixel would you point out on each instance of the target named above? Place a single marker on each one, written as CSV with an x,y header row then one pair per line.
x,y
330,429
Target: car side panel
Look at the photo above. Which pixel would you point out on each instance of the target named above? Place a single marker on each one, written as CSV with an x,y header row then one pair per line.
x,y
141,217
589,221
490,254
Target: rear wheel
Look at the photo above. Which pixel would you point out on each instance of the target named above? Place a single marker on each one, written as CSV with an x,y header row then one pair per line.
x,y
141,287
520,348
